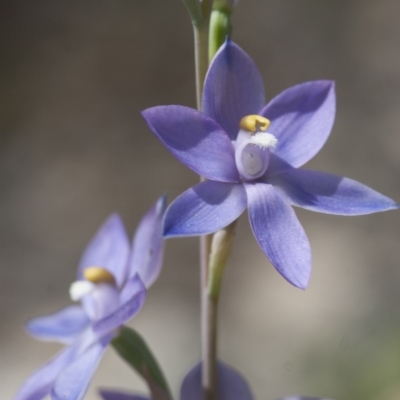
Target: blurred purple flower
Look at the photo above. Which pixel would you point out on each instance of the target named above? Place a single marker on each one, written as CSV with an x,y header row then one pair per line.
x,y
112,281
247,166
303,398
231,386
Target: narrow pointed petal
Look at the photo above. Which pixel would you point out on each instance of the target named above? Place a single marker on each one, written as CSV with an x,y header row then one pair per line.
x,y
205,208
331,194
132,299
233,88
62,326
301,119
195,140
148,245
112,395
231,384
108,249
72,383
279,233
40,383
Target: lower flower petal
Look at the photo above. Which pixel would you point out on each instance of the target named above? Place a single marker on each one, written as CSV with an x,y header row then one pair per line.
x,y
331,194
72,383
205,208
40,383
279,233
62,326
112,395
132,298
230,384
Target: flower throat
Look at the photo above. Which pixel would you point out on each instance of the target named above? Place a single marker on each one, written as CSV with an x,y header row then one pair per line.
x,y
252,146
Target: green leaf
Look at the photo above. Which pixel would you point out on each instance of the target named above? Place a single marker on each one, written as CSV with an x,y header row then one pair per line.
x,y
133,349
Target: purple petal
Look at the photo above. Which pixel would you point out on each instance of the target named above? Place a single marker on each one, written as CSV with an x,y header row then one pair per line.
x,y
62,326
194,139
331,194
233,88
301,119
231,385
279,233
205,208
72,383
108,249
148,245
276,165
132,287
132,299
112,395
40,383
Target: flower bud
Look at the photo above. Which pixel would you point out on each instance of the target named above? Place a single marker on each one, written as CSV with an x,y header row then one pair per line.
x,y
220,29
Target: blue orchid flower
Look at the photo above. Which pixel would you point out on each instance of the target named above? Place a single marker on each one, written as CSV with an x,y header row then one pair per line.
x,y
112,281
231,386
250,154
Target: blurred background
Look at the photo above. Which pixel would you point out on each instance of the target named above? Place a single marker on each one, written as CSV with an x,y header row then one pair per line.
x,y
74,76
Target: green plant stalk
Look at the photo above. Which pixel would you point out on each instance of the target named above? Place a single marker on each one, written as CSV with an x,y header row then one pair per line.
x,y
201,28
215,249
194,10
221,245
211,264
200,58
201,35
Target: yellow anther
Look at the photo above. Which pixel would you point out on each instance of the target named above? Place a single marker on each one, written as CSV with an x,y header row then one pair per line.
x,y
254,123
98,275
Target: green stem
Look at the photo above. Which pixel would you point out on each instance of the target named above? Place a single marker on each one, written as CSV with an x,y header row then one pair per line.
x,y
206,8
194,10
211,264
221,245
215,249
200,58
208,310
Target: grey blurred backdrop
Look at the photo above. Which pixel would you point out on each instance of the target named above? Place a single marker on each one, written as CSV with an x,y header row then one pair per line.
x,y
74,76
